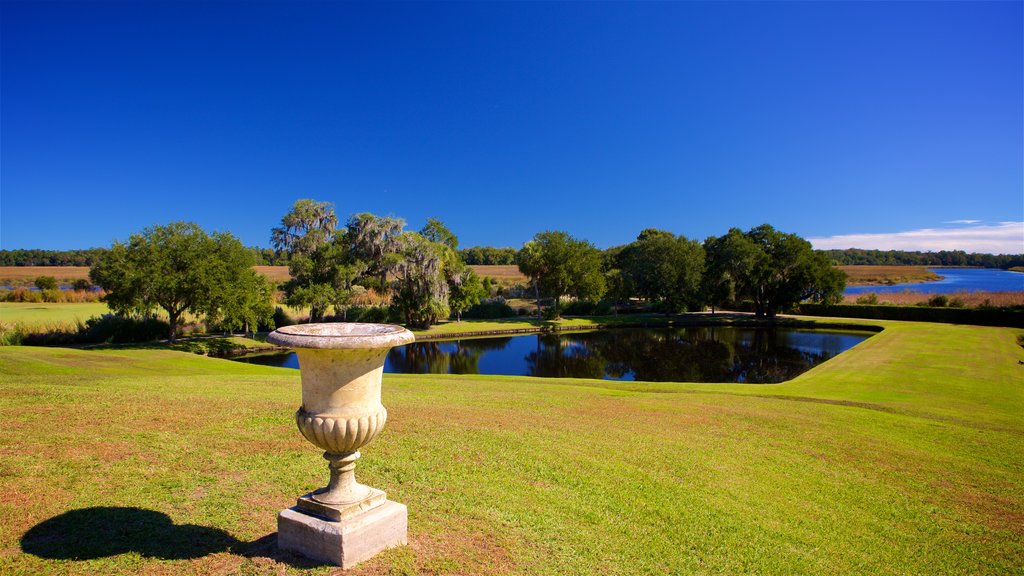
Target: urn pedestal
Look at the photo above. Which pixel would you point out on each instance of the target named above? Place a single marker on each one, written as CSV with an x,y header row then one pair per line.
x,y
341,365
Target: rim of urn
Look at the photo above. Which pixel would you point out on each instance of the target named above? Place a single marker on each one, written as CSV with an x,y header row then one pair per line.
x,y
341,335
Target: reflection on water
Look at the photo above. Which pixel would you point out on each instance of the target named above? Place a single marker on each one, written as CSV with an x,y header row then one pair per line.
x,y
694,354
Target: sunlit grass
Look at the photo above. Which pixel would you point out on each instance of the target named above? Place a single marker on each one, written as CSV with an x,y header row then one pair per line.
x,y
902,455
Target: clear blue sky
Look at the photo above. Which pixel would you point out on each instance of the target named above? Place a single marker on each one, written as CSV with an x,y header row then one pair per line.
x,y
505,119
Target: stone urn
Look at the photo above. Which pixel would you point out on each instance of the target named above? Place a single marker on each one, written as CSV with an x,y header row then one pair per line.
x,y
341,365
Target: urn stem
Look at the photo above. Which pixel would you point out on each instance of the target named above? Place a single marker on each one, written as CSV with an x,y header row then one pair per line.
x,y
342,488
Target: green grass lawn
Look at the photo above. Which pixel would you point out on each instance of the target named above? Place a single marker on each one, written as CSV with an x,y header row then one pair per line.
x,y
50,314
903,455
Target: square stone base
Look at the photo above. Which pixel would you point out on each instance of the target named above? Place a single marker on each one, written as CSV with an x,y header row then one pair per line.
x,y
344,543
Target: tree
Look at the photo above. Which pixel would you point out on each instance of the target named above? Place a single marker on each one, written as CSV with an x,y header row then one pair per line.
x,y
435,231
466,291
560,265
244,300
786,271
178,268
729,261
308,225
322,263
665,268
423,288
534,267
374,240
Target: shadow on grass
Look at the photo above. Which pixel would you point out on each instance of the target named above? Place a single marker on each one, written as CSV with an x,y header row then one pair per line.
x,y
91,533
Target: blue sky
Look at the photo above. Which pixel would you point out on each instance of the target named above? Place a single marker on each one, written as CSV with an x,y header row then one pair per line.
x,y
866,121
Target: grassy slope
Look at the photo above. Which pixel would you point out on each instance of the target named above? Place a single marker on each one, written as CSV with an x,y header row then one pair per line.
x,y
903,455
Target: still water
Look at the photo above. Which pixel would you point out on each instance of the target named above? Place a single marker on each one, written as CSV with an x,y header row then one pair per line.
x,y
693,354
955,280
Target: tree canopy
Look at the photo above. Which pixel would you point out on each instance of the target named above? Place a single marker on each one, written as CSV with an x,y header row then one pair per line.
x,y
179,268
786,270
666,268
559,265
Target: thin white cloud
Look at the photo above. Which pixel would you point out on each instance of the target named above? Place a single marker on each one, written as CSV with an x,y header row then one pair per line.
x,y
1002,238
962,222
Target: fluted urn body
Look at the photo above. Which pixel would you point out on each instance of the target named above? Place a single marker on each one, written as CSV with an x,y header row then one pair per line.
x,y
341,365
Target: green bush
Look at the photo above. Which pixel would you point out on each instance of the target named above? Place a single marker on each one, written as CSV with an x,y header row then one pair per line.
x,y
368,314
121,329
488,310
81,285
588,308
281,318
938,301
46,283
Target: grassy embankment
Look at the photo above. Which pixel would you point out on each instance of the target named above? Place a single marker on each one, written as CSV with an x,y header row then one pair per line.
x,y
902,455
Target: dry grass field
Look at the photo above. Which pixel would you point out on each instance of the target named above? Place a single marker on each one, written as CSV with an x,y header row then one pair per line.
x,y
886,275
26,275
969,299
274,273
505,275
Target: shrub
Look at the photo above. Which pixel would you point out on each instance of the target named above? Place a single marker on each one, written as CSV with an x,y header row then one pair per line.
x,y
122,329
956,302
81,285
368,314
52,295
11,334
938,301
496,308
869,299
281,318
588,308
46,283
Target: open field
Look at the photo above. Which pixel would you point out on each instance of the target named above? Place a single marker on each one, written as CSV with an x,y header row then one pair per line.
x,y
902,455
50,313
969,299
886,275
502,274
274,273
26,275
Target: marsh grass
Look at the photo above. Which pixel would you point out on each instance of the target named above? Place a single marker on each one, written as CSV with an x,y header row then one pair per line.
x,y
962,299
863,275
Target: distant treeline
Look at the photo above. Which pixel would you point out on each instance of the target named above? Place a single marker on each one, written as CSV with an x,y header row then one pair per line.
x,y
35,257
50,257
490,256
857,256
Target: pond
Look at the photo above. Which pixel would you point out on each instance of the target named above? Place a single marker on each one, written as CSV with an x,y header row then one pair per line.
x,y
691,354
954,280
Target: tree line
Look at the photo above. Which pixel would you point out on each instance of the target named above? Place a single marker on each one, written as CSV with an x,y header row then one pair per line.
x,y
672,273
489,255
857,256
89,256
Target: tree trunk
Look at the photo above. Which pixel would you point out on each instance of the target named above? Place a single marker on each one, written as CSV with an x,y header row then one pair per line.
x,y
173,320
536,294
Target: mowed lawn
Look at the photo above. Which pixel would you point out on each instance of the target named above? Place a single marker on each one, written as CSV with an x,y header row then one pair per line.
x,y
41,314
904,455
